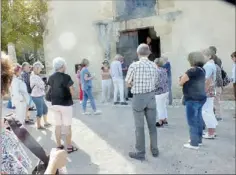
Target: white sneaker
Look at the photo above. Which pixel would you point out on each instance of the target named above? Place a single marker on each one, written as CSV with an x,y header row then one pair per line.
x,y
200,144
97,112
207,136
86,113
191,147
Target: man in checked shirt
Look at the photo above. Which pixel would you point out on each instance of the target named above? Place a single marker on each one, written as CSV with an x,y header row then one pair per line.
x,y
142,77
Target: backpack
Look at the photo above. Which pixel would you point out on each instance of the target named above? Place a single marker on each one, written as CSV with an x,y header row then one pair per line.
x,y
226,79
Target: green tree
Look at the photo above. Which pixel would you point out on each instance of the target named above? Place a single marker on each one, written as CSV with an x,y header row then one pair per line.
x,y
23,24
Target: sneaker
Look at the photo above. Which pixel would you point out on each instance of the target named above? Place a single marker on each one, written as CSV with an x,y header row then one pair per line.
x,y
159,125
47,125
191,147
97,112
86,113
199,144
116,103
205,133
207,136
155,153
219,119
127,99
137,156
124,103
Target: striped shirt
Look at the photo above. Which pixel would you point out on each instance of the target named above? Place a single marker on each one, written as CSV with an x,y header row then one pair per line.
x,y
143,76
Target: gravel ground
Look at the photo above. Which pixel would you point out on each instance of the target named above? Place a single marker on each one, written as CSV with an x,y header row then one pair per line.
x,y
105,140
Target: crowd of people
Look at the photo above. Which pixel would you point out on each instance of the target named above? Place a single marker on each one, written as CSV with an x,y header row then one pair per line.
x,y
149,82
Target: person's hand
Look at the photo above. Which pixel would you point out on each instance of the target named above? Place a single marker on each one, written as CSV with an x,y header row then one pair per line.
x,y
58,158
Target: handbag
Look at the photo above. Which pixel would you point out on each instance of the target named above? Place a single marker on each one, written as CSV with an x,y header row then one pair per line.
x,y
24,136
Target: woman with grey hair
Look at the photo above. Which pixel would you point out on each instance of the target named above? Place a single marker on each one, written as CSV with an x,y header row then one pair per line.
x,y
86,81
61,92
208,108
193,83
38,92
161,92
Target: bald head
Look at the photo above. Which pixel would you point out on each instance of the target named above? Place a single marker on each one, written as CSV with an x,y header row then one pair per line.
x,y
143,50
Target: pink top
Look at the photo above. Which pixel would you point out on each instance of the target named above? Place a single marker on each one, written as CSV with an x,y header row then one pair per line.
x,y
37,85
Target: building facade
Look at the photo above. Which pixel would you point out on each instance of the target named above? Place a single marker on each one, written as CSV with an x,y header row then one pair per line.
x,y
97,30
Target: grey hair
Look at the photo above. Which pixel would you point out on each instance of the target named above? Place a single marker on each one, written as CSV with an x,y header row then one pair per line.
x,y
38,64
118,56
143,50
25,64
58,63
85,62
208,53
160,61
196,59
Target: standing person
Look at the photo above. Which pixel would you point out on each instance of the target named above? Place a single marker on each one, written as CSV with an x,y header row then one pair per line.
x,y
106,82
215,57
61,87
193,82
208,108
19,95
38,92
233,57
79,82
161,92
219,88
86,81
167,66
142,77
117,78
26,78
124,71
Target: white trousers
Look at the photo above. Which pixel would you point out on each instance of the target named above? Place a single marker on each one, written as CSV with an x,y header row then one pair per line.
x,y
118,88
161,102
208,113
21,111
106,90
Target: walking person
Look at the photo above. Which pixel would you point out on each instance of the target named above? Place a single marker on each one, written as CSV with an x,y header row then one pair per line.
x,y
208,108
167,66
118,82
61,89
219,89
79,82
106,82
20,97
193,82
86,81
142,77
38,92
161,92
233,57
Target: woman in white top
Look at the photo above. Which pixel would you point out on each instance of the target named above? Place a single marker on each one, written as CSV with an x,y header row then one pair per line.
x,y
19,95
38,92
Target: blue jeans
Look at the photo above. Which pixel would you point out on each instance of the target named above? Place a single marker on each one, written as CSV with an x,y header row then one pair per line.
x,y
87,94
41,106
195,121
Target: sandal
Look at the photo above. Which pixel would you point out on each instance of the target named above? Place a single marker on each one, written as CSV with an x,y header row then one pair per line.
x,y
41,128
71,149
47,125
60,147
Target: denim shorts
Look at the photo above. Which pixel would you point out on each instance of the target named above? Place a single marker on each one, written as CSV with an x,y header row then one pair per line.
x,y
41,106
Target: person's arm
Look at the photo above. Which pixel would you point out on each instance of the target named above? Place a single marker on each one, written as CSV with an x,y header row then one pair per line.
x,y
70,86
120,70
183,79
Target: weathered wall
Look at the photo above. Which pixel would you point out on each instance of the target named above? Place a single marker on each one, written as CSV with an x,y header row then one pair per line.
x,y
73,36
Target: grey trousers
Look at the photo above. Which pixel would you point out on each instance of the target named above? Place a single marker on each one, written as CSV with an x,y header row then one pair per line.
x,y
144,105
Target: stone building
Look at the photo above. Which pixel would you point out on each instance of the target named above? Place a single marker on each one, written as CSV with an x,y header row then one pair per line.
x,y
97,30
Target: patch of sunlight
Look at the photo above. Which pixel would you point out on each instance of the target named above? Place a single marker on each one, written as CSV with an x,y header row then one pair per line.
x,y
39,138
101,152
67,40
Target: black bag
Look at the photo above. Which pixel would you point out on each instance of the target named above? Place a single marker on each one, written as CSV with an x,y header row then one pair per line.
x,y
24,136
226,79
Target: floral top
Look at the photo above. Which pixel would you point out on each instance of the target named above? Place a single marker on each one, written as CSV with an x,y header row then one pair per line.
x,y
37,85
162,85
14,158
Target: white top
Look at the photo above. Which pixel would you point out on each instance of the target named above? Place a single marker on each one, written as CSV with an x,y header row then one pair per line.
x,y
37,85
18,91
234,73
116,70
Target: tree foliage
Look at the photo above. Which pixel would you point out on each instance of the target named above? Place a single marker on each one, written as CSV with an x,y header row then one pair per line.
x,y
23,24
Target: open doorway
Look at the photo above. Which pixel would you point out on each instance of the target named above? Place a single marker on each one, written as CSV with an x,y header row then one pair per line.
x,y
129,41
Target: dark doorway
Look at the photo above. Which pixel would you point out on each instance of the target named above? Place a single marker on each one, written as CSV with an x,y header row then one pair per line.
x,y
129,41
